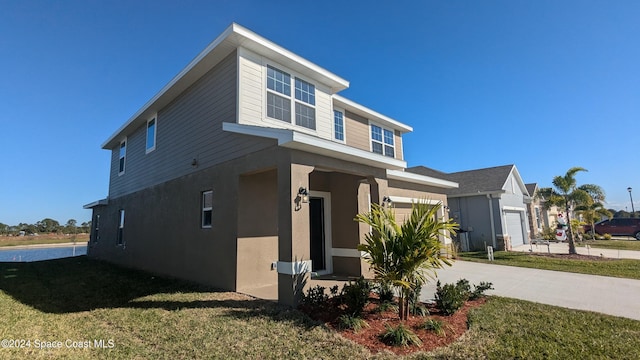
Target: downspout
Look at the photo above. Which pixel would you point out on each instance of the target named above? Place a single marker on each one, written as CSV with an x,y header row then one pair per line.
x,y
493,225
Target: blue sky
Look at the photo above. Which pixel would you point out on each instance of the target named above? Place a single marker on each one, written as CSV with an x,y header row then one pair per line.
x,y
545,85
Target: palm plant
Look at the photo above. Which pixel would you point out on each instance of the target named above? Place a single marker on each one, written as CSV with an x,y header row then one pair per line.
x,y
405,255
568,195
592,212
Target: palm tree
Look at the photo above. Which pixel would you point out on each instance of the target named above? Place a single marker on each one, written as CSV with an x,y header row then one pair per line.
x,y
592,212
405,255
566,194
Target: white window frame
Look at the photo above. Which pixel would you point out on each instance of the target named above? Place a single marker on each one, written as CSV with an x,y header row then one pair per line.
x,y
120,235
371,140
205,209
153,119
122,157
344,125
291,97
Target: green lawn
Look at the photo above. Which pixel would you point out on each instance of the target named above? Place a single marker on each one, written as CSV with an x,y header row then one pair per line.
x,y
613,244
150,317
623,268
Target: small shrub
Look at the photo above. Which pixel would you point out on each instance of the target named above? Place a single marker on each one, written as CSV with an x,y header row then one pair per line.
x,y
315,297
548,233
436,326
385,292
399,336
450,297
351,322
479,290
416,308
607,236
587,236
355,295
334,290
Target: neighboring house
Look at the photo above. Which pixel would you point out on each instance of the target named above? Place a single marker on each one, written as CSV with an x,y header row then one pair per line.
x,y
540,214
245,172
490,205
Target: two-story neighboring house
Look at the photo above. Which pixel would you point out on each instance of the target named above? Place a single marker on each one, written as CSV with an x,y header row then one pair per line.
x,y
245,172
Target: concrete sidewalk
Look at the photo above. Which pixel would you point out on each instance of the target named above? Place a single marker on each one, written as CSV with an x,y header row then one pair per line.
x,y
608,295
563,248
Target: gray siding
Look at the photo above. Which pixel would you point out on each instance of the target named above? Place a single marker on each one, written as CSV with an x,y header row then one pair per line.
x,y
188,128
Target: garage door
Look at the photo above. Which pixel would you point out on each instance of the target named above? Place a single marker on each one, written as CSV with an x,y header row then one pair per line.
x,y
514,227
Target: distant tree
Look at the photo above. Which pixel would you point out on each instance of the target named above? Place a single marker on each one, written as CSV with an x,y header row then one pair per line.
x,y
85,227
4,229
621,214
28,228
70,227
591,213
565,193
48,226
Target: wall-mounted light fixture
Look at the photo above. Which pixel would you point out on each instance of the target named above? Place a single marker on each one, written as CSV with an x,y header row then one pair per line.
x,y
446,208
386,201
194,162
304,194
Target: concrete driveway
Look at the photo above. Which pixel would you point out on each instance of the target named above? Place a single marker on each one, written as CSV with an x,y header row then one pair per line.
x,y
608,295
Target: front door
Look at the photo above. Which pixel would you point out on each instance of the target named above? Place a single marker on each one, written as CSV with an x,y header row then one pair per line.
x,y
318,239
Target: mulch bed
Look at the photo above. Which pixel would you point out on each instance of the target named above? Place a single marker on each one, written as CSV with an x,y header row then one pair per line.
x,y
454,325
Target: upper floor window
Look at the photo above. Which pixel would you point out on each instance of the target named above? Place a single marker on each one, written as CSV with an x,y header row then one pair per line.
x,y
151,134
123,155
279,100
382,141
207,208
338,125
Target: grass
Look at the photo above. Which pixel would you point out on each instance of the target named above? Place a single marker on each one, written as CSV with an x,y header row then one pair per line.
x,y
622,268
150,317
613,244
42,239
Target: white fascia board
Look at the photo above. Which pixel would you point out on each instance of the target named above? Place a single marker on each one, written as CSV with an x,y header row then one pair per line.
x,y
421,179
410,200
513,208
293,268
232,37
100,202
296,140
370,114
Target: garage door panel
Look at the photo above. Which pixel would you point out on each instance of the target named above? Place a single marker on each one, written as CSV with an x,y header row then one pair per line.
x,y
514,227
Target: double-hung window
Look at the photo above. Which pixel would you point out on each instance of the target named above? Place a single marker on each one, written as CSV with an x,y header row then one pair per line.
x,y
280,103
151,134
338,125
123,155
207,209
382,141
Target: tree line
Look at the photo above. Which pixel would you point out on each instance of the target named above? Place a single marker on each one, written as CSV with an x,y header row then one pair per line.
x,y
46,226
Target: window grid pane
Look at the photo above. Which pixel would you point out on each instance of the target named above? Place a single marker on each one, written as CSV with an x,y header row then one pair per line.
x,y
376,133
278,81
305,92
338,121
388,137
278,107
388,151
207,208
376,147
305,116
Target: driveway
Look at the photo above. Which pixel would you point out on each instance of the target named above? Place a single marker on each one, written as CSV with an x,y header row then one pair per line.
x,y
608,295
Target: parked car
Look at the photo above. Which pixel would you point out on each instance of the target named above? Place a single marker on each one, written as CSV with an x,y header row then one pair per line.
x,y
617,227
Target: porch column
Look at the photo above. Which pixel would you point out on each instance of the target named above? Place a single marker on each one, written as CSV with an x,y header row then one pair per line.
x,y
294,264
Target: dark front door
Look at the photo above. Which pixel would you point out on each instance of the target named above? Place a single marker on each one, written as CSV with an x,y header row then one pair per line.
x,y
316,221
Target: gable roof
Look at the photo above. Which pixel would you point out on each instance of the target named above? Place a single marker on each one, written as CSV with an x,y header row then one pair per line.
x,y
531,188
233,37
477,181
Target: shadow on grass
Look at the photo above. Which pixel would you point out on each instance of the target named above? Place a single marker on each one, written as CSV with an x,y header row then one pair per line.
x,y
81,284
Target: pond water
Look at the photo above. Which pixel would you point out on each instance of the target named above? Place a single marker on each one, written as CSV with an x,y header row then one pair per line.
x,y
27,255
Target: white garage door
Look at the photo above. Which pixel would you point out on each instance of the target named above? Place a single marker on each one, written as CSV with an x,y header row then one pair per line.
x,y
514,227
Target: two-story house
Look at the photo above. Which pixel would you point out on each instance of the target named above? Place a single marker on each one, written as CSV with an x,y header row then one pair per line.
x,y
245,172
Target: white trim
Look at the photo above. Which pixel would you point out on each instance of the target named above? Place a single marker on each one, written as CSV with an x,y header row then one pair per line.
x,y
409,200
513,208
294,139
328,241
350,253
100,202
370,114
291,97
154,118
420,179
293,268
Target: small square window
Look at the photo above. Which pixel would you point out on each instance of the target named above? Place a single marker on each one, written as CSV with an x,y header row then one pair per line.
x,y
207,209
382,141
338,125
